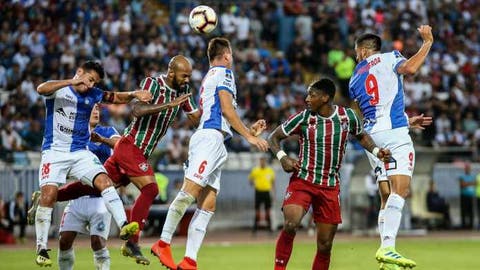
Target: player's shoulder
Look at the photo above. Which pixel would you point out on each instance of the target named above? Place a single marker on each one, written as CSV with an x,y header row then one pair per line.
x,y
221,72
148,82
349,112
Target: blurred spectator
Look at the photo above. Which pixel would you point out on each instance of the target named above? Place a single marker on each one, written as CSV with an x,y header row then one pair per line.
x,y
17,214
11,141
467,195
279,47
437,204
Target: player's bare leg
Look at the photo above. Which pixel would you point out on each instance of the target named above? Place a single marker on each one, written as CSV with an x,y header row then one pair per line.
x,y
101,256
206,204
148,191
66,255
114,205
190,191
43,216
400,188
325,235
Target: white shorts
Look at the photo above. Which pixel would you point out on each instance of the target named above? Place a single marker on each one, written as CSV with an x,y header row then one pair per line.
x,y
206,156
398,141
56,167
87,215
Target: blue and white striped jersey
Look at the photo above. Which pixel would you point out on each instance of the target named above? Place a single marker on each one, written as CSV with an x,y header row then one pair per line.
x,y
378,89
101,150
67,119
218,78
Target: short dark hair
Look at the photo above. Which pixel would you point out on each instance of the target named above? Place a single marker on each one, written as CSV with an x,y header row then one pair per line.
x,y
217,47
369,41
95,66
324,85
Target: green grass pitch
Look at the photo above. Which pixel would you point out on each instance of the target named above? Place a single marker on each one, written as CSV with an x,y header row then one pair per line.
x,y
431,254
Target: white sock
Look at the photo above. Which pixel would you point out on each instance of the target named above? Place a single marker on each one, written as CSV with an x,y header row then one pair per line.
x,y
114,206
175,213
392,216
381,223
43,217
101,259
196,232
66,259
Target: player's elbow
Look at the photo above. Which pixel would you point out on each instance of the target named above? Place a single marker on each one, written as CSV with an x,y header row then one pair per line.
x,y
136,111
42,89
408,70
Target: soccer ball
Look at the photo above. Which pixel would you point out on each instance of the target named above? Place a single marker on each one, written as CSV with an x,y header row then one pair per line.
x,y
203,19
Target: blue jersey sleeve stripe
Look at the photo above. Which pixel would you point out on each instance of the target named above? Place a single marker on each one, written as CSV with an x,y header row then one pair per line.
x,y
398,64
221,87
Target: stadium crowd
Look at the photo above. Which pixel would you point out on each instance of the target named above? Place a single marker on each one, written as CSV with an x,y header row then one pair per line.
x,y
42,40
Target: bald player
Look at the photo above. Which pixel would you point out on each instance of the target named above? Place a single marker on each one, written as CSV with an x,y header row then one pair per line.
x,y
129,163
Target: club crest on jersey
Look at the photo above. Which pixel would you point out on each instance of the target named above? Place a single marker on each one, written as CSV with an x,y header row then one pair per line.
x,y
101,226
344,125
143,166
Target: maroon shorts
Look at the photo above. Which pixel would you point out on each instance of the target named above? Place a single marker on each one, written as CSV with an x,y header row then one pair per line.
x,y
325,202
127,160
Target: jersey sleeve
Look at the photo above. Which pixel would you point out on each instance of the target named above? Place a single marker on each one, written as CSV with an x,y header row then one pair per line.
x,y
226,82
111,132
292,125
356,126
351,89
189,106
97,94
398,59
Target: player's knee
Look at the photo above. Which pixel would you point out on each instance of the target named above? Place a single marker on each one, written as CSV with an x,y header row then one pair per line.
x,y
291,226
404,193
102,181
49,195
64,243
97,243
324,245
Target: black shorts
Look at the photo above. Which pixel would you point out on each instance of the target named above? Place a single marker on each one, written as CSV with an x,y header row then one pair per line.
x,y
262,197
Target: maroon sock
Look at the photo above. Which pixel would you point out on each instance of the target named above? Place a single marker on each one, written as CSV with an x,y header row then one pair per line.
x,y
75,190
322,261
142,206
283,250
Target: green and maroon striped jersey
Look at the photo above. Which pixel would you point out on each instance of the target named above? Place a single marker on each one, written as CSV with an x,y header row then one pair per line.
x,y
149,129
322,143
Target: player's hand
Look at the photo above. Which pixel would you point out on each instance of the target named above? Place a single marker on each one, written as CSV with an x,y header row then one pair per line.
x,y
289,164
179,100
94,137
85,79
426,33
257,128
420,121
384,155
142,95
260,143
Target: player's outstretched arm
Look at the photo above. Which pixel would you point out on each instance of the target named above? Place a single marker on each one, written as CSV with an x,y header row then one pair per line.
x,y
95,137
50,87
288,164
366,141
415,62
125,97
142,108
232,117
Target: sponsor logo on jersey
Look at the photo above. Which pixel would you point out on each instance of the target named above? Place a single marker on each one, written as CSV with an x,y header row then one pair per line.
x,y
61,112
197,175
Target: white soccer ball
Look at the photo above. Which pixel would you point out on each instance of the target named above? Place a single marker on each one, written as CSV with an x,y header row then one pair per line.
x,y
203,19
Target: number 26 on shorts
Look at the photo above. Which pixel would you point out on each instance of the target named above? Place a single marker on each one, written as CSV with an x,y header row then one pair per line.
x,y
371,87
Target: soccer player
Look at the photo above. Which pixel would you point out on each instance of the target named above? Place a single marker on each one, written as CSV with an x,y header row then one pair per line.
x,y
64,151
129,160
323,129
88,214
377,87
206,155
